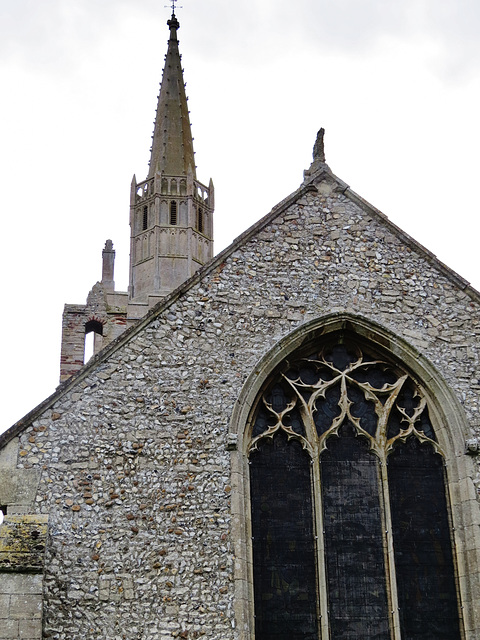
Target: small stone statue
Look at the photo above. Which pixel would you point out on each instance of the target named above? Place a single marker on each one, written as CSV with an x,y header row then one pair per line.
x,y
318,147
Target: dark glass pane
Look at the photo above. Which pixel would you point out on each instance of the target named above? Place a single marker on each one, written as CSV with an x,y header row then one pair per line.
x,y
326,409
293,420
283,546
395,423
425,425
422,543
353,540
263,420
341,356
309,373
277,398
408,401
363,409
376,375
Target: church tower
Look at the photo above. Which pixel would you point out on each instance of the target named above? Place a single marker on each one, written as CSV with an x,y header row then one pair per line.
x,y
171,212
171,228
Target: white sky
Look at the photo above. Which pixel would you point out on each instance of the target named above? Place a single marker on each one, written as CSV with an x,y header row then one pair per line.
x,y
395,84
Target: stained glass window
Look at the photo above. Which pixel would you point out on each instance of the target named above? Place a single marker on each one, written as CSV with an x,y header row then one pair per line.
x,y
351,535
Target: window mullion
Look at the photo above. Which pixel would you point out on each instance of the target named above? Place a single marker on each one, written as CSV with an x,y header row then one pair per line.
x,y
390,559
322,603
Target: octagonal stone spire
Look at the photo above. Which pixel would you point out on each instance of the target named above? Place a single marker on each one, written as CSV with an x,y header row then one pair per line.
x,y
172,147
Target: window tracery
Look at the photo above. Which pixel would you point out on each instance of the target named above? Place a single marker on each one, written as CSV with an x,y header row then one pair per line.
x,y
317,394
358,425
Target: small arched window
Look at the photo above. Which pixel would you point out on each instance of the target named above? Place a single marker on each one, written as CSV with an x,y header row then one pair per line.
x,y
145,218
173,212
351,535
200,219
93,339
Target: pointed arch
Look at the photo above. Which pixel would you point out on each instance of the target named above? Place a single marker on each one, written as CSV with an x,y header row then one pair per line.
x,y
451,431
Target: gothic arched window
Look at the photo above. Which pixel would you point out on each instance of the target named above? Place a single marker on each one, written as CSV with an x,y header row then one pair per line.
x,y
351,533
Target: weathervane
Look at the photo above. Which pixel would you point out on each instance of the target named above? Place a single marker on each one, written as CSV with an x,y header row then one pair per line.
x,y
174,2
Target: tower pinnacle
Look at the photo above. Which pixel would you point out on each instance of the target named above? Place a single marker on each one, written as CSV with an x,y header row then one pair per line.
x,y
172,147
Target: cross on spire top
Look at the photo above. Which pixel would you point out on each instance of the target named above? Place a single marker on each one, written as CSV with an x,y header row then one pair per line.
x,y
174,6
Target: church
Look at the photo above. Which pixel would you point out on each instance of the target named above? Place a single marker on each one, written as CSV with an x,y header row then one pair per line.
x,y
279,442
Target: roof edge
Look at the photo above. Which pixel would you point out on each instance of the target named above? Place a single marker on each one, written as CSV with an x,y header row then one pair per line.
x,y
450,273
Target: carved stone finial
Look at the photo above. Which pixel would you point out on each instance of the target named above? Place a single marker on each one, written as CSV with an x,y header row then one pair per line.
x,y
318,147
108,245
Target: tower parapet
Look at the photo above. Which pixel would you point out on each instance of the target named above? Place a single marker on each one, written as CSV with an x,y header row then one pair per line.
x,y
171,221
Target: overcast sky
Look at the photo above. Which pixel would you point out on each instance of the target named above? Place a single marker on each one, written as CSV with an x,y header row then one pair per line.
x,y
395,84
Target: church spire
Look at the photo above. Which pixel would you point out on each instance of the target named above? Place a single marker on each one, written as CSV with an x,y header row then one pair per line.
x,y
171,228
172,147
171,212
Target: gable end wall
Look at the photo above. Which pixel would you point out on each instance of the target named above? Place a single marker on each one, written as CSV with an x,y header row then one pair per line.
x,y
135,469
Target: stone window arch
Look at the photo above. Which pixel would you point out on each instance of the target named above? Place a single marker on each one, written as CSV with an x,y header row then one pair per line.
x,y
348,526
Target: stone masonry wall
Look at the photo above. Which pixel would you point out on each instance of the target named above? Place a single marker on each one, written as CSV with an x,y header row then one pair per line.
x,y
20,606
22,547
135,471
